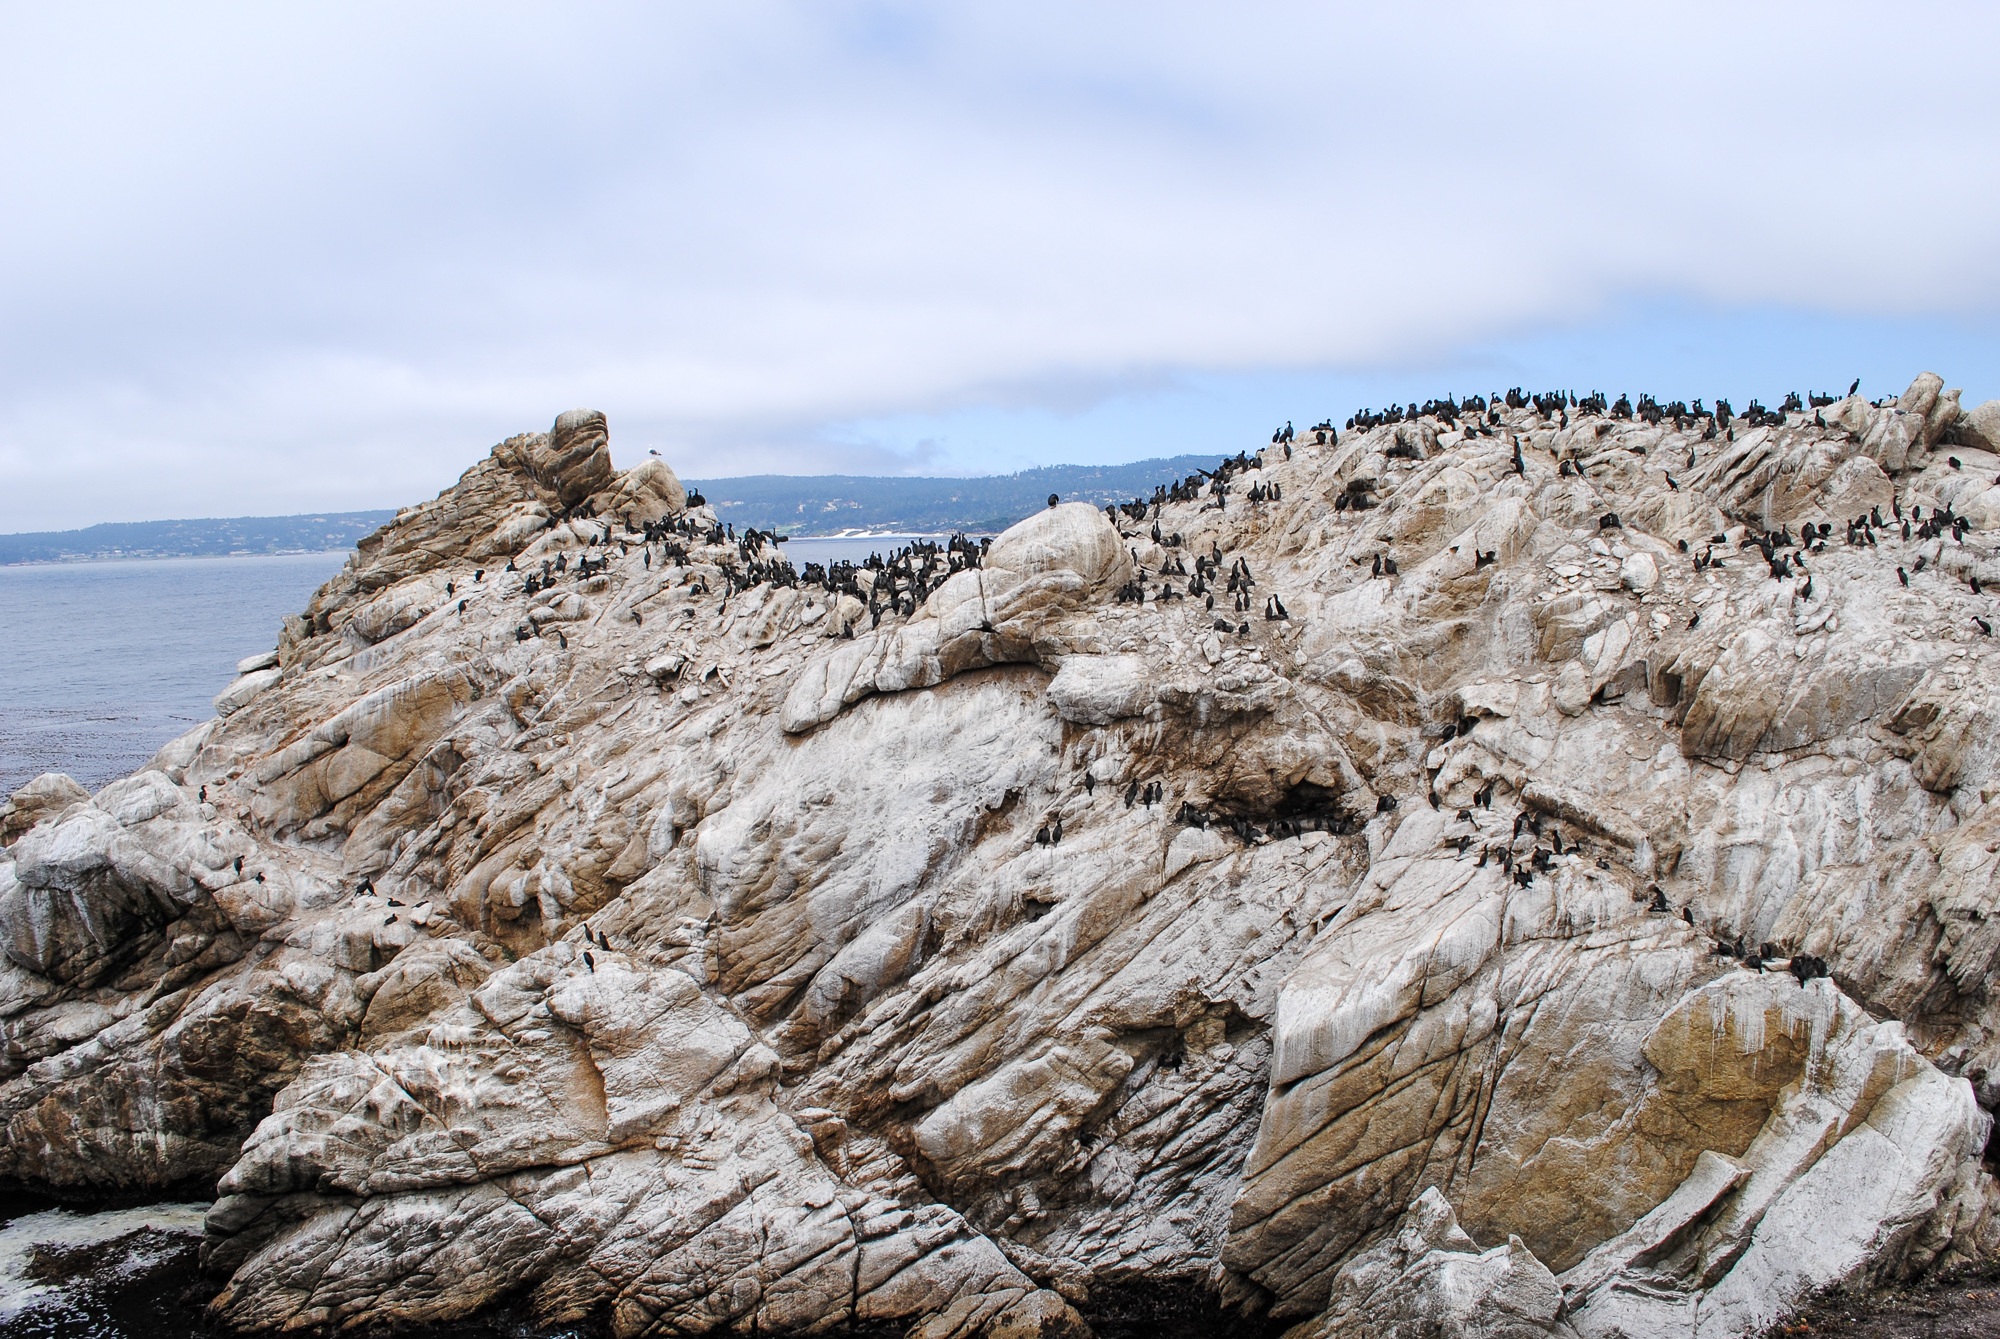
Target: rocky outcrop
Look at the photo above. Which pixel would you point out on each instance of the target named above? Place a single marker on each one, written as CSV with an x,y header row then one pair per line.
x,y
1429,1279
48,794
1512,825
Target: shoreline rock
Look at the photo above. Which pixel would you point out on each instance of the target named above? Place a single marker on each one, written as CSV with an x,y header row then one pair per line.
x,y
1268,891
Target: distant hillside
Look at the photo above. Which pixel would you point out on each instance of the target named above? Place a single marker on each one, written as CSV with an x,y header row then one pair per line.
x,y
793,504
825,504
204,538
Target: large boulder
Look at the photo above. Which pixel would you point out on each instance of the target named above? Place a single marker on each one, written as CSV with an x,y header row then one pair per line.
x,y
574,459
1979,426
1073,536
44,797
1096,690
1928,400
1038,570
1429,1280
649,491
83,895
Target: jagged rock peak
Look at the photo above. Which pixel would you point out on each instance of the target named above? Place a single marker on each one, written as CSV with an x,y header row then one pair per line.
x,y
577,459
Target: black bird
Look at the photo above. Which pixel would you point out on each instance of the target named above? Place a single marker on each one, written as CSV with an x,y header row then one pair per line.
x,y
1696,619
1388,567
590,962
1671,484
1384,804
1985,628
1855,387
1053,499
1902,576
1089,784
1131,794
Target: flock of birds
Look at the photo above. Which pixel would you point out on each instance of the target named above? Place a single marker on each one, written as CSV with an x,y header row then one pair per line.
x,y
896,585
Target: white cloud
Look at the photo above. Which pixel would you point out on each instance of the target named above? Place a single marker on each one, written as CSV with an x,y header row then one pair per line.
x,y
268,258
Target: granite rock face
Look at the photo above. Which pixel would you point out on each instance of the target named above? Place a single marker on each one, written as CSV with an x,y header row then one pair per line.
x,y
1512,825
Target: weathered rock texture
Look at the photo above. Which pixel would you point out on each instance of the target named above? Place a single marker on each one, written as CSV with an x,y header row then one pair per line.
x,y
693,951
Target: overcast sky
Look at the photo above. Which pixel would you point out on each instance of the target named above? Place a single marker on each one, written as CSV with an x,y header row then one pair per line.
x,y
276,258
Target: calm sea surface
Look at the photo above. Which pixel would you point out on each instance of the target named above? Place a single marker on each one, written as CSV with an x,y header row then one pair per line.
x,y
103,662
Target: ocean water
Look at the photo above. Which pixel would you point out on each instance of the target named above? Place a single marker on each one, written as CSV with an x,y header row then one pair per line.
x,y
103,662
106,1274
850,548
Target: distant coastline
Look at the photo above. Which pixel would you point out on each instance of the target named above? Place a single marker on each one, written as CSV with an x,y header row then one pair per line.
x,y
835,506
114,556
798,506
204,537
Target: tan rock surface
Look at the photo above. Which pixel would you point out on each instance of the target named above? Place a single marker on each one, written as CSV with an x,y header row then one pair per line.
x,y
583,909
